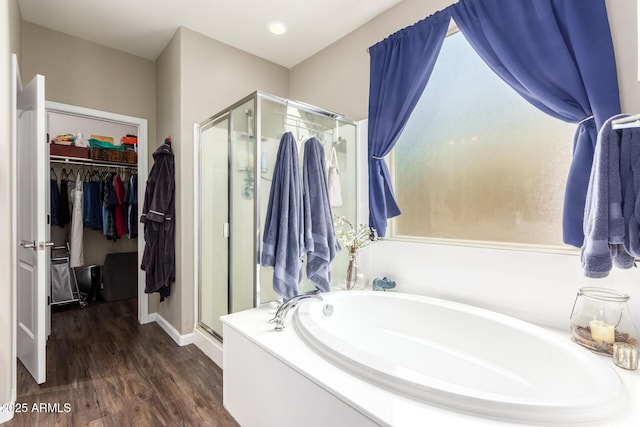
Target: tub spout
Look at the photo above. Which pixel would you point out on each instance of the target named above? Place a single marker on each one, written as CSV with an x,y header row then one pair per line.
x,y
281,314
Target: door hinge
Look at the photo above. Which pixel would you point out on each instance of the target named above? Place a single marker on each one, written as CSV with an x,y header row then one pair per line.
x,y
225,229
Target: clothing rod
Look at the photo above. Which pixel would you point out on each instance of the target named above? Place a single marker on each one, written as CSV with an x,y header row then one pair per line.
x,y
66,161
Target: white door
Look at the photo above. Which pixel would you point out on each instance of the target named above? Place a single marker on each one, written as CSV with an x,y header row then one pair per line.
x,y
32,158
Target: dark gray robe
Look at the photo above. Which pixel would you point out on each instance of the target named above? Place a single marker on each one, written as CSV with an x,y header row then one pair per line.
x,y
158,259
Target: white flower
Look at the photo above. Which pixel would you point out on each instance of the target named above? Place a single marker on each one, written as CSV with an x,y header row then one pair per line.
x,y
354,239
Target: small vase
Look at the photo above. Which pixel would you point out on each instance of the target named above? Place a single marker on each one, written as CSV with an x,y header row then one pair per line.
x,y
355,277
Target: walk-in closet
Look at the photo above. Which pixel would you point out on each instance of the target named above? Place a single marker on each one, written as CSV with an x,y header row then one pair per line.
x,y
97,175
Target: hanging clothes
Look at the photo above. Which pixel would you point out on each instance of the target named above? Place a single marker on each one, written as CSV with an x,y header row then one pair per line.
x,y
76,256
118,209
64,214
109,202
54,206
92,203
158,210
132,207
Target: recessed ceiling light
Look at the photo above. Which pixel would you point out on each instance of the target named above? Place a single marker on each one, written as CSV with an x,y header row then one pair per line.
x,y
276,27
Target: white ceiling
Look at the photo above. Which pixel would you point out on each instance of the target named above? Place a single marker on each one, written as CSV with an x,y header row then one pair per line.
x,y
144,27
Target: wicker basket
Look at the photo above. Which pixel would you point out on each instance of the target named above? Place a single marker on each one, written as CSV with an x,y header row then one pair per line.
x,y
117,156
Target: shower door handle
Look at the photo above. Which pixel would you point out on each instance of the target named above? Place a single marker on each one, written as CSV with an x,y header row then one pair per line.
x,y
225,230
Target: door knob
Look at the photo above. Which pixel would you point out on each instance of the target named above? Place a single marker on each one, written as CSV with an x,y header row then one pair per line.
x,y
43,245
27,245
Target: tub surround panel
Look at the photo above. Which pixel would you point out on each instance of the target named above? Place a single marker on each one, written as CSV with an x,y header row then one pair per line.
x,y
533,286
281,397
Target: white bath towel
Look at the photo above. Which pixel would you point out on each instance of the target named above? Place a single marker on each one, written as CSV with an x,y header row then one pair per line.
x,y
333,178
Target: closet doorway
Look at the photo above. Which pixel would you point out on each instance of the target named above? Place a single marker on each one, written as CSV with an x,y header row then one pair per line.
x,y
64,118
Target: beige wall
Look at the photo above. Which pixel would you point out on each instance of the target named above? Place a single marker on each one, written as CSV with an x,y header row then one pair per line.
x,y
79,72
337,78
211,77
168,109
622,20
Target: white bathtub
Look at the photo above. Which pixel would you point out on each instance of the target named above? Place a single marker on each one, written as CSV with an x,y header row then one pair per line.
x,y
461,358
408,361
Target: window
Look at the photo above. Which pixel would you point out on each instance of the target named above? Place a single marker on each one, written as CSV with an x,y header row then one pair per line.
x,y
477,162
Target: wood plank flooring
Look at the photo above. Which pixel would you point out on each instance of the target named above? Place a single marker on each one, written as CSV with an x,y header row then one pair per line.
x,y
104,369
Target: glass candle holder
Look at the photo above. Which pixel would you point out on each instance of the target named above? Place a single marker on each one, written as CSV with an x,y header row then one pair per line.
x,y
600,318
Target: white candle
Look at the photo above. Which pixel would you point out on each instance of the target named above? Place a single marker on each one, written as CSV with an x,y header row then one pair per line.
x,y
602,332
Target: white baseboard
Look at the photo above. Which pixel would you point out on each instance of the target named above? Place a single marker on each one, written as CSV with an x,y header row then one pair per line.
x,y
208,345
180,339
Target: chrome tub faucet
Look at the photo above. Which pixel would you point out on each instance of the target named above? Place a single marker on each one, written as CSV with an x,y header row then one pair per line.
x,y
281,314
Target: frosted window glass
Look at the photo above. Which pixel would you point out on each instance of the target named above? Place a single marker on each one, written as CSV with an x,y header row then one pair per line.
x,y
478,162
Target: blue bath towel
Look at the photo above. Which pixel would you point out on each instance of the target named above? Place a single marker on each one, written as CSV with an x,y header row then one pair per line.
x,y
320,239
282,237
630,176
604,223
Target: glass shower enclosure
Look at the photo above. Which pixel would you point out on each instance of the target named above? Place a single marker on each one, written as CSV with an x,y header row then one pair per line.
x,y
235,156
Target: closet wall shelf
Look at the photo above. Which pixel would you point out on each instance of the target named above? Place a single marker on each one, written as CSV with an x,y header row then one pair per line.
x,y
89,162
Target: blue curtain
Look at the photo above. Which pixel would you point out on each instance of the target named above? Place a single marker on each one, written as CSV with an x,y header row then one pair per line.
x,y
400,68
558,55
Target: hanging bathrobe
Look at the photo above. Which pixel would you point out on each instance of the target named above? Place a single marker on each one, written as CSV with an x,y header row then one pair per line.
x,y
158,259
76,257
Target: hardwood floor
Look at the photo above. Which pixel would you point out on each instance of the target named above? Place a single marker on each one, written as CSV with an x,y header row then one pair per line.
x,y
104,369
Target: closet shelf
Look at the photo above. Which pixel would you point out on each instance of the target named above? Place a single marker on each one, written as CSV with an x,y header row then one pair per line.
x,y
90,162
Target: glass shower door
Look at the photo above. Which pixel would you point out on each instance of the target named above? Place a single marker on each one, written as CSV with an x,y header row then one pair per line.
x,y
214,225
241,201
